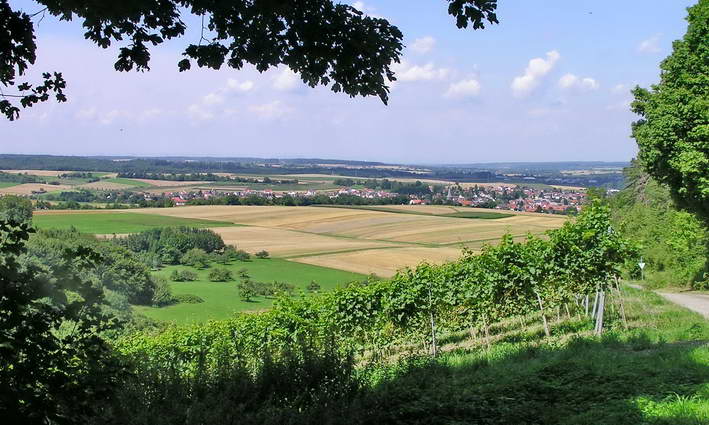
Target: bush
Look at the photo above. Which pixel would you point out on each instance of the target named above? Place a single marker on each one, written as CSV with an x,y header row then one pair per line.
x,y
247,289
188,299
195,257
242,255
313,286
162,296
220,274
262,254
183,275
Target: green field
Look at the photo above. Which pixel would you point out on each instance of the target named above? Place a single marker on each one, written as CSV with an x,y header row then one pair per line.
x,y
7,184
129,182
119,222
221,299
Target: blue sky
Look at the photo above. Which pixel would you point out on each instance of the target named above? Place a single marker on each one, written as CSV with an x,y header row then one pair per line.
x,y
549,83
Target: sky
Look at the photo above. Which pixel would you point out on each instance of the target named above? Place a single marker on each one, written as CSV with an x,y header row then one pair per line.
x,y
551,82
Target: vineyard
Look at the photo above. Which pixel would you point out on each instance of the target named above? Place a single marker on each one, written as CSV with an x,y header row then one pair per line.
x,y
573,271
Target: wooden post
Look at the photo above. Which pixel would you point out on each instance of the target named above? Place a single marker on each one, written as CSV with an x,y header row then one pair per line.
x,y
595,306
433,322
621,302
599,314
585,304
544,317
568,313
487,332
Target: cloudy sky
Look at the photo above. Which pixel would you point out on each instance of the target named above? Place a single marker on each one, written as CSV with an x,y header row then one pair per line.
x,y
550,83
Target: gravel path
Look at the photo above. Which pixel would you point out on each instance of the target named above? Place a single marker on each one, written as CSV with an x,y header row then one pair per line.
x,y
694,302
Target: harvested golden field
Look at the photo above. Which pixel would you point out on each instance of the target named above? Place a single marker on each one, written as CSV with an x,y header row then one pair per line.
x,y
41,173
169,183
28,188
104,185
360,240
287,243
382,262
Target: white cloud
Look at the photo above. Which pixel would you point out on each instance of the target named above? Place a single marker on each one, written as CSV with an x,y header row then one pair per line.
x,y
359,5
199,113
462,89
151,113
286,80
535,71
619,88
86,114
424,44
213,99
651,45
109,117
236,85
272,110
408,72
571,81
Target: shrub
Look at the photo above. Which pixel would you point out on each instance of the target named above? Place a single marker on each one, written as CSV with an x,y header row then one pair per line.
x,y
188,299
247,289
262,254
220,274
313,286
195,257
183,275
162,296
242,255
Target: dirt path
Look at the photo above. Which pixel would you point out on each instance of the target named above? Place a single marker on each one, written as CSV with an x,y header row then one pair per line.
x,y
694,302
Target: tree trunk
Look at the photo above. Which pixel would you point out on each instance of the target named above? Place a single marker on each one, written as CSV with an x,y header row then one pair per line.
x,y
544,317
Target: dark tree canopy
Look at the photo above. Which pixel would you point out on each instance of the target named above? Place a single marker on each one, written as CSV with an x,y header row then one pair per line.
x,y
325,42
673,132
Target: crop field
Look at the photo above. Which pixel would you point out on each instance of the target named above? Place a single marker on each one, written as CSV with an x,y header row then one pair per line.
x,y
28,188
221,299
360,240
156,183
4,185
109,222
129,182
105,185
41,173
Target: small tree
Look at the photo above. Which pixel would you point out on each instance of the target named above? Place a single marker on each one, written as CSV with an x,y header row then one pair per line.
x,y
195,257
247,289
15,209
162,295
313,286
220,274
262,254
242,255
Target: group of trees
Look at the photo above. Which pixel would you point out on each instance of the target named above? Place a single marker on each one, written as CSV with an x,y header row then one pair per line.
x,y
169,245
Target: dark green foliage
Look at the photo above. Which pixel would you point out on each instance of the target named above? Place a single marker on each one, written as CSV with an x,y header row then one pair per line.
x,y
171,243
15,208
54,365
247,289
188,299
262,254
241,255
195,257
162,295
220,274
673,131
313,286
674,243
183,275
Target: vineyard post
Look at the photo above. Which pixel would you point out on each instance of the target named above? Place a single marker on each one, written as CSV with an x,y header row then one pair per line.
x,y
599,314
487,332
544,317
621,302
433,321
595,305
585,304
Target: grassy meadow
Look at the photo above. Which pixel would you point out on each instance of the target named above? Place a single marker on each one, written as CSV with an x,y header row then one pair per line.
x,y
116,222
221,299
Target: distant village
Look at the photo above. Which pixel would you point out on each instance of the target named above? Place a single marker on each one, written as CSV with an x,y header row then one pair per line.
x,y
501,197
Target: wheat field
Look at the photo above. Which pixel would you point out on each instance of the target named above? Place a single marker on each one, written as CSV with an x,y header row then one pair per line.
x,y
361,241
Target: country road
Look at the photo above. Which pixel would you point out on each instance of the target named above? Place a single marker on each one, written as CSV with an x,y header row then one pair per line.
x,y
694,302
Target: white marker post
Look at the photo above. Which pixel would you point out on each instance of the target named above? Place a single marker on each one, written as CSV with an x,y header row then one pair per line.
x,y
641,264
